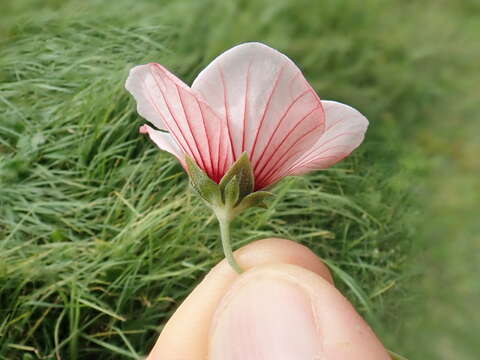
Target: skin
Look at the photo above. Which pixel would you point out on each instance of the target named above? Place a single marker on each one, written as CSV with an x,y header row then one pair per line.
x,y
283,307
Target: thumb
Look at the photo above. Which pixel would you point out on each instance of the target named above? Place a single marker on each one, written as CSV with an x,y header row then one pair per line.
x,y
285,312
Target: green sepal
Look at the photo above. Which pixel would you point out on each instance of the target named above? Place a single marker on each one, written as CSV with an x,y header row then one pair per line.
x,y
242,169
202,184
254,199
235,191
231,194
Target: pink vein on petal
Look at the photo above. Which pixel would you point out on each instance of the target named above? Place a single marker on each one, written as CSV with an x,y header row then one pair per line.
x,y
336,123
271,173
217,167
285,138
267,105
207,137
245,105
154,104
220,166
173,117
190,128
328,141
292,169
278,126
293,79
328,149
302,159
274,167
227,114
338,157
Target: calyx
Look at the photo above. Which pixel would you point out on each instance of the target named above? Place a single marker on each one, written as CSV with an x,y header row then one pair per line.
x,y
233,194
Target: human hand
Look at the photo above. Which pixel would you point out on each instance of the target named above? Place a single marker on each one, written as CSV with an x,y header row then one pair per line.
x,y
283,307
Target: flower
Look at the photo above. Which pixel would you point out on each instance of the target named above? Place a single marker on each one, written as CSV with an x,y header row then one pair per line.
x,y
251,99
249,119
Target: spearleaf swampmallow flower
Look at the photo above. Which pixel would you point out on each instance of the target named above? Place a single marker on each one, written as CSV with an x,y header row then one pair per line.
x,y
249,119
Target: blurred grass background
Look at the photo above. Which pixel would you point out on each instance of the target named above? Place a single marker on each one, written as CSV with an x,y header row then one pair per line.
x,y
99,241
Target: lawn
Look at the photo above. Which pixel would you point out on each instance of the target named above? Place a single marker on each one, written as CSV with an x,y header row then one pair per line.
x,y
100,237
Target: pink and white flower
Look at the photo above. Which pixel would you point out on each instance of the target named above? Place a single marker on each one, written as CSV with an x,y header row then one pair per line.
x,y
250,99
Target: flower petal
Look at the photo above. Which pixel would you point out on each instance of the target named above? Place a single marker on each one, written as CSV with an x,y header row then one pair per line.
x,y
270,110
170,104
344,132
165,142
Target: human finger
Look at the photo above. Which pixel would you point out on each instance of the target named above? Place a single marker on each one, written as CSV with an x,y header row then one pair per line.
x,y
185,336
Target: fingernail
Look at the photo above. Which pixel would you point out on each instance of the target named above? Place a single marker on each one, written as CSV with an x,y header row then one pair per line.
x,y
265,318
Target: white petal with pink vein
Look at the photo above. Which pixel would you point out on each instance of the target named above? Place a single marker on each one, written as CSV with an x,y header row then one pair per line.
x,y
250,99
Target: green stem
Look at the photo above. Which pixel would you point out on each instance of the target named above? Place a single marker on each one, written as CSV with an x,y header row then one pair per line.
x,y
227,247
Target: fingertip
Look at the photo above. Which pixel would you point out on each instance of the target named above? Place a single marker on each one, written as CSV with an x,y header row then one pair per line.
x,y
275,310
277,250
185,334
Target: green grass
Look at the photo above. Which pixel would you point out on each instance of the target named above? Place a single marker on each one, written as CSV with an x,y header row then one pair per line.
x,y
100,239
445,322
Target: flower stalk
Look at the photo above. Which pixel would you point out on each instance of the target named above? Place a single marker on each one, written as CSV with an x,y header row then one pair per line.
x,y
224,220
